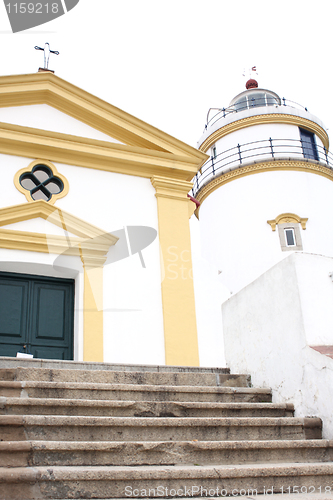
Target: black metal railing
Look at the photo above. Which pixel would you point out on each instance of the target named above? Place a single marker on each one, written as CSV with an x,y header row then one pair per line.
x,y
253,102
257,151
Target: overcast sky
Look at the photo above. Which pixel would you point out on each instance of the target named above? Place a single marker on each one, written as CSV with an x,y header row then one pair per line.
x,y
168,62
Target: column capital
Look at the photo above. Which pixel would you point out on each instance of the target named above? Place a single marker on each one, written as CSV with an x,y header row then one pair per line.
x,y
92,261
171,188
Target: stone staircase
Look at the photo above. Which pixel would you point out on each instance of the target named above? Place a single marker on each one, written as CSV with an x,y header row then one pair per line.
x,y
86,430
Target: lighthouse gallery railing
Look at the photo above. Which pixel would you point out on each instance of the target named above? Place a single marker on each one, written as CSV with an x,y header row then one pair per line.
x,y
255,152
214,115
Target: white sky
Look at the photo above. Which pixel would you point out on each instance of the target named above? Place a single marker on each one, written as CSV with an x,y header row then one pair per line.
x,y
168,61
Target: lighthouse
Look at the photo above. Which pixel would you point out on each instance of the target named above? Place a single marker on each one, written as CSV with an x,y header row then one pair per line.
x,y
266,189
266,225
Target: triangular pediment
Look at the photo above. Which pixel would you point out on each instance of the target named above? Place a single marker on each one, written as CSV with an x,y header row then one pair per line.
x,y
89,241
141,149
39,225
45,117
53,215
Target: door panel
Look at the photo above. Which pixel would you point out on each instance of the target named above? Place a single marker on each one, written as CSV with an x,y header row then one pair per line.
x,y
49,313
13,310
37,311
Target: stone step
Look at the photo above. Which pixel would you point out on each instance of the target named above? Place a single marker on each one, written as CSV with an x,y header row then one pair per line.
x,y
92,453
53,406
64,428
112,482
58,364
125,377
130,392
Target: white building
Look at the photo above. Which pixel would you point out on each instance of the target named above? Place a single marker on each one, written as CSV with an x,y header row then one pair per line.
x,y
97,237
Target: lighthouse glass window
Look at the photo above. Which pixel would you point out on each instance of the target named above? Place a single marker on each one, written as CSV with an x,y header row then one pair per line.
x,y
255,99
309,146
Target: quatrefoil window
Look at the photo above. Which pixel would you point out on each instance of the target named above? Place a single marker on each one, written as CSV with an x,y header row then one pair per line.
x,y
41,181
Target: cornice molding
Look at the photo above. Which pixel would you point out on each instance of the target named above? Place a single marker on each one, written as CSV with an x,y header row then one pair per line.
x,y
256,168
91,153
47,243
266,119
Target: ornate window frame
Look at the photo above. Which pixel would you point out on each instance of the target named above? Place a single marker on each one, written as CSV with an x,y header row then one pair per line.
x,y
289,221
55,173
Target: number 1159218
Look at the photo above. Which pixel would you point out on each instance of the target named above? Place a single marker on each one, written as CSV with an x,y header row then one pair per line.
x,y
32,8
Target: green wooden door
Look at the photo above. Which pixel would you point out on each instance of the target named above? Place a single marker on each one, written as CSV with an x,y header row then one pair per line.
x,y
36,311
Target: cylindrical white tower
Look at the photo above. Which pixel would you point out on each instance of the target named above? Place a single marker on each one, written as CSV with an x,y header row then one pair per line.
x,y
267,187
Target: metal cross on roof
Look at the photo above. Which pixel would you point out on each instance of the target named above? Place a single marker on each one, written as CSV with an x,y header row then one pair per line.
x,y
47,52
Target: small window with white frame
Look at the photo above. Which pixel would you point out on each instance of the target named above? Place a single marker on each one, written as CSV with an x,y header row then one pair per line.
x,y
290,236
289,233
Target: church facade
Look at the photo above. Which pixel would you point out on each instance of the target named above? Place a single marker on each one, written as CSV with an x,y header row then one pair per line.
x,y
86,190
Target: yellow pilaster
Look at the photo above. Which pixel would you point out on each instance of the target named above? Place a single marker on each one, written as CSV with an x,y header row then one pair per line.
x,y
180,329
92,311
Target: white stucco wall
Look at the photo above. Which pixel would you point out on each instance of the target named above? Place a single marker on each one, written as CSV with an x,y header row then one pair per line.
x,y
235,236
209,294
268,328
133,322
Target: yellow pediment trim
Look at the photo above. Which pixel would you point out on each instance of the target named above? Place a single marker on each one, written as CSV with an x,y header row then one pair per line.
x,y
91,153
47,88
89,242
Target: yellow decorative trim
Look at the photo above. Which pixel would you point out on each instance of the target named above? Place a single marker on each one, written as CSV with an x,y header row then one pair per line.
x,y
286,218
179,315
256,168
56,216
91,153
265,119
47,88
93,345
44,243
89,242
55,172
